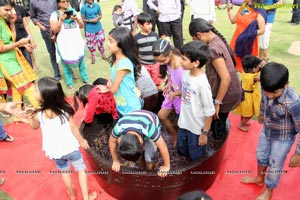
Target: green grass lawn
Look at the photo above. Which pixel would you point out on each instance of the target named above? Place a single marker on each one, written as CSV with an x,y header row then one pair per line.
x,y
283,34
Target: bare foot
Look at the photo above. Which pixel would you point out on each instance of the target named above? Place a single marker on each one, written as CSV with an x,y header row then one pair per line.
x,y
72,194
252,180
93,195
242,128
266,195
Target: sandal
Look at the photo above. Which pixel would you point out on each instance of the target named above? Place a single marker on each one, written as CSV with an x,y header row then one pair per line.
x,y
9,138
2,181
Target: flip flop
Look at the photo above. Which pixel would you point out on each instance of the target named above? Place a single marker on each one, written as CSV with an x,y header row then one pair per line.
x,y
8,138
2,181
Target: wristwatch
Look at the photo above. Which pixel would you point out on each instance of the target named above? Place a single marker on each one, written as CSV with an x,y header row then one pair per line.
x,y
217,102
205,132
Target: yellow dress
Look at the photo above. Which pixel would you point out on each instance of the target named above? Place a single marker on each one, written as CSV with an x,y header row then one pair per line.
x,y
250,106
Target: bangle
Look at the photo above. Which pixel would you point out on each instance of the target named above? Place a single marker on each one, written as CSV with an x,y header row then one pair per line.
x,y
205,132
217,102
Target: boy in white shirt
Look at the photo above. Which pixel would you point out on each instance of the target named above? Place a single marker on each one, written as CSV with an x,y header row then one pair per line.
x,y
197,108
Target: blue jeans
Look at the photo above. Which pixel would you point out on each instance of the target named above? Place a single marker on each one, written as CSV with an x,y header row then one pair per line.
x,y
52,52
2,132
75,158
187,145
272,153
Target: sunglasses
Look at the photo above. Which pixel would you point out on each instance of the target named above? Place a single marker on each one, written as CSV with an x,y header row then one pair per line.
x,y
67,1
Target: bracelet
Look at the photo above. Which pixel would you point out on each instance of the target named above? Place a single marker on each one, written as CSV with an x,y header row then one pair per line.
x,y
217,102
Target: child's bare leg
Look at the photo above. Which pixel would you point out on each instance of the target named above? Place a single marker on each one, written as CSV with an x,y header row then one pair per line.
x,y
69,185
84,186
259,179
245,120
149,165
266,194
163,116
243,124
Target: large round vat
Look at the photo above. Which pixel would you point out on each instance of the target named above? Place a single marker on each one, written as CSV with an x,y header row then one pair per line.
x,y
133,183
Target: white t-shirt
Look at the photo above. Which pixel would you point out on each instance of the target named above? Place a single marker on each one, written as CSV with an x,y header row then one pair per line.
x,y
58,139
196,102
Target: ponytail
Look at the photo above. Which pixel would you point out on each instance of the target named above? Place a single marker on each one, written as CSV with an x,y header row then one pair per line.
x,y
214,30
203,26
75,100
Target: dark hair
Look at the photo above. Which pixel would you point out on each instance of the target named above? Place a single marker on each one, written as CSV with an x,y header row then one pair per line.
x,y
100,81
249,62
7,2
53,98
163,47
273,76
116,7
194,195
82,95
128,47
143,18
196,50
203,26
130,147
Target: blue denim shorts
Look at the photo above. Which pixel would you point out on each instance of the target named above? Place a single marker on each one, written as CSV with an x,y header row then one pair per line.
x,y
187,145
75,158
150,150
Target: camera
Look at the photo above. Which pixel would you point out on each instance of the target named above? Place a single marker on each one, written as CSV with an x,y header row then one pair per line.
x,y
69,13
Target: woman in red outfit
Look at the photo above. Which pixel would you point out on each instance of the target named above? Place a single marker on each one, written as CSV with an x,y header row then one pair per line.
x,y
250,23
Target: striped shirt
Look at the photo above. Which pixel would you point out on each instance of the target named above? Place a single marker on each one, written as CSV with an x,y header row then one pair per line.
x,y
143,122
145,46
281,115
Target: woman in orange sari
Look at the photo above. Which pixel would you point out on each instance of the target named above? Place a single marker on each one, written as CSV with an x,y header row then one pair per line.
x,y
14,68
250,22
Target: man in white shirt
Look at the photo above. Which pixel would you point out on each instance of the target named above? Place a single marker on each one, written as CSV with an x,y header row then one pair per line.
x,y
204,9
170,22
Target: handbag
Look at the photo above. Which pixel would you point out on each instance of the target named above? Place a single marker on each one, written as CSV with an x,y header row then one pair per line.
x,y
218,129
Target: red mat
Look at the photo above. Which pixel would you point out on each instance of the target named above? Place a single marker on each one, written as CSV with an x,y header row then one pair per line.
x,y
28,172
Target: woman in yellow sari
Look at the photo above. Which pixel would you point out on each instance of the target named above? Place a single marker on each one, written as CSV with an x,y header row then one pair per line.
x,y
14,68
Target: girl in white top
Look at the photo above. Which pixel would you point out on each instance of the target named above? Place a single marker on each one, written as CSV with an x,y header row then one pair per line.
x,y
61,137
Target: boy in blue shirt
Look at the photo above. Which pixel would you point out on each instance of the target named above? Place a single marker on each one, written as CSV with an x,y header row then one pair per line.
x,y
280,113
